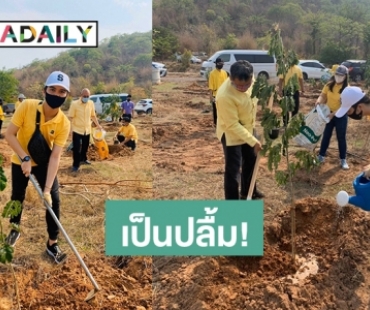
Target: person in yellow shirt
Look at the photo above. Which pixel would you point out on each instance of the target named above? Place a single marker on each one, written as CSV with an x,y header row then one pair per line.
x,y
330,95
39,152
235,125
286,90
127,134
81,112
216,77
21,98
2,117
333,69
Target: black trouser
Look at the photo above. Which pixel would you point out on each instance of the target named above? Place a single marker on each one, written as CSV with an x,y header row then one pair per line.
x,y
131,143
1,124
80,152
296,105
19,186
236,156
214,111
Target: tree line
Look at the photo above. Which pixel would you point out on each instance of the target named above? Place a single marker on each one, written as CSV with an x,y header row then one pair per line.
x,y
329,30
121,63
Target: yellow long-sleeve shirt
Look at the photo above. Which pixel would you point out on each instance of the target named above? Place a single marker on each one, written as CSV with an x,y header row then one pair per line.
x,y
236,112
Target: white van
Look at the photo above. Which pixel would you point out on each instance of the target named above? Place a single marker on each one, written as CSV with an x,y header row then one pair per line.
x,y
262,62
104,98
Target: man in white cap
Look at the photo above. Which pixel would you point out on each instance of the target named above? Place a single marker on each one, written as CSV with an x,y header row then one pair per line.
x,y
21,98
38,149
356,104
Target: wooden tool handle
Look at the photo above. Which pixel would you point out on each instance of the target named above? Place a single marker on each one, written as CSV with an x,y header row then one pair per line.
x,y
254,176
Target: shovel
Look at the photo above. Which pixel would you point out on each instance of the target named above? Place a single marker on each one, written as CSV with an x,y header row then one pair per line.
x,y
254,176
92,293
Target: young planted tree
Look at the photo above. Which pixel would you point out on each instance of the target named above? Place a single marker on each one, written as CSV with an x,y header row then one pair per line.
x,y
271,120
12,208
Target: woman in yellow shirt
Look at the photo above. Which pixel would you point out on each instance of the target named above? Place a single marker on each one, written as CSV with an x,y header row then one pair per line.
x,y
330,95
2,117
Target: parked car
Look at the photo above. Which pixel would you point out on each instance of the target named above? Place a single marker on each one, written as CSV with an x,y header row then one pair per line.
x,y
312,69
144,106
162,68
356,69
195,60
9,108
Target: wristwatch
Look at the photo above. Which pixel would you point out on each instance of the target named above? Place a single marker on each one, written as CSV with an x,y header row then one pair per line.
x,y
26,158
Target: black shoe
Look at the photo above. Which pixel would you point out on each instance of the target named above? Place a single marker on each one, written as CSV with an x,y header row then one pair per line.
x,y
85,162
257,195
12,237
55,252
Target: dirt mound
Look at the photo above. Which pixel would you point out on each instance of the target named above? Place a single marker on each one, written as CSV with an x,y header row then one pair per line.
x,y
328,273
43,286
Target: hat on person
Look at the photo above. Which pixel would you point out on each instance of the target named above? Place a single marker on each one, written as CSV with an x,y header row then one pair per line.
x,y
21,96
350,96
218,59
58,78
341,70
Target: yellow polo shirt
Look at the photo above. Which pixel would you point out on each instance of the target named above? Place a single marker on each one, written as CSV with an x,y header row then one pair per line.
x,y
55,131
236,115
17,104
129,130
2,116
216,78
332,97
291,72
81,114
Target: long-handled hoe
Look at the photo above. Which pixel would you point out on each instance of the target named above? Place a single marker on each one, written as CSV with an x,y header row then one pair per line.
x,y
92,293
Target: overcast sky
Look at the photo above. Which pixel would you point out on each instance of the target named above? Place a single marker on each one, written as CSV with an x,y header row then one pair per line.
x,y
114,17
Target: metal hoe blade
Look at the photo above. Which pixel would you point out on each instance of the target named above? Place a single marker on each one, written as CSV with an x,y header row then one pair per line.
x,y
96,287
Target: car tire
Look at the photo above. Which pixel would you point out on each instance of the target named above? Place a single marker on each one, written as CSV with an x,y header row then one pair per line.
x,y
305,76
149,112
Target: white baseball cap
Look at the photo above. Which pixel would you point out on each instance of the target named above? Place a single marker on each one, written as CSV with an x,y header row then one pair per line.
x,y
21,96
350,95
58,78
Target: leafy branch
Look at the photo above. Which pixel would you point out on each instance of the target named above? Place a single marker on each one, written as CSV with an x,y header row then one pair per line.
x,y
271,120
12,208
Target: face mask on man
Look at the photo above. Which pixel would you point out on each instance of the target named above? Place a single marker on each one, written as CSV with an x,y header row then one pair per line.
x,y
84,100
53,101
220,66
339,79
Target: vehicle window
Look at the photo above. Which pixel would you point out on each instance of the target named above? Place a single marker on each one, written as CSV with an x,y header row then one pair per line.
x,y
306,64
225,57
122,98
317,65
93,99
142,101
246,57
347,64
263,59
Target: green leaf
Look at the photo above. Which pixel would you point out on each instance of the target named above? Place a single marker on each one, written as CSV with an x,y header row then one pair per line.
x,y
11,209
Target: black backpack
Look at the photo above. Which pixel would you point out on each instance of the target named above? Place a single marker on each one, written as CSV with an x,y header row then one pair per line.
x,y
38,148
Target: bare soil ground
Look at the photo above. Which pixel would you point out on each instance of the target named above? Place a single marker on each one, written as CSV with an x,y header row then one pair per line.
x,y
331,269
125,282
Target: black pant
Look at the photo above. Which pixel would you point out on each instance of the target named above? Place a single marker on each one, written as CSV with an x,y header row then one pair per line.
x,y
131,143
295,96
19,186
80,152
1,124
214,111
235,157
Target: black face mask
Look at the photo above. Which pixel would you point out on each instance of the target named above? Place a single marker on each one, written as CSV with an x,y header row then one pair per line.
x,y
53,101
219,66
355,116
